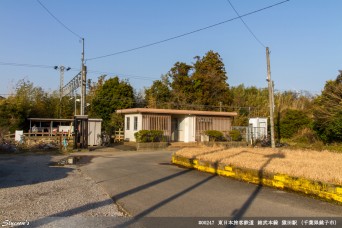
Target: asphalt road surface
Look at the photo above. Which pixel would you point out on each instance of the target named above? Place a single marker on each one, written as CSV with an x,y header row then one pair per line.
x,y
145,184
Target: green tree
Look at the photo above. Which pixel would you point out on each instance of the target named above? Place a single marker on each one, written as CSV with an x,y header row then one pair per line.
x,y
210,80
158,95
248,102
27,101
292,122
112,95
181,85
328,112
202,85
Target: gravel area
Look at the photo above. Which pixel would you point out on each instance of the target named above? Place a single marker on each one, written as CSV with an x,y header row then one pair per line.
x,y
33,191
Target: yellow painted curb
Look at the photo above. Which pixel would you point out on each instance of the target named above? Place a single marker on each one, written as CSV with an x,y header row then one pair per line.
x,y
281,181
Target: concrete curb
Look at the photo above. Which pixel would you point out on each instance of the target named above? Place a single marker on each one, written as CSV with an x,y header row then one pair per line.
x,y
324,191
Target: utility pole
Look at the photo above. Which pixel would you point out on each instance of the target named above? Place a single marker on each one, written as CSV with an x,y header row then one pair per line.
x,y
83,84
270,96
61,84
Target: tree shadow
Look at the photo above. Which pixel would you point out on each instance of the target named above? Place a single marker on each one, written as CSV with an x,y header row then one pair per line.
x,y
238,213
20,170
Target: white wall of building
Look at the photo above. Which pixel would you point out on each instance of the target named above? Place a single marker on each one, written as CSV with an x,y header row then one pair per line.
x,y
129,129
186,128
189,129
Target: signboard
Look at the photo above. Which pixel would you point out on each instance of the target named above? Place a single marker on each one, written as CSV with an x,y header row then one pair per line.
x,y
205,119
74,83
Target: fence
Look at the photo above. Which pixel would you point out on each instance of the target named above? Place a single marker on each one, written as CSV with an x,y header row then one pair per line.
x,y
40,140
251,134
119,136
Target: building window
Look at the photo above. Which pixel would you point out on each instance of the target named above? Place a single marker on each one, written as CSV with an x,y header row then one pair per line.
x,y
135,123
127,123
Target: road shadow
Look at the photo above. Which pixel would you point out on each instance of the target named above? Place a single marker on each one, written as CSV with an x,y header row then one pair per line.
x,y
57,217
22,170
130,221
138,218
239,213
148,185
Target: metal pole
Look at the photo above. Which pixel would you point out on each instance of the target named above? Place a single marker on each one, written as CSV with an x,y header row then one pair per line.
x,y
75,97
61,83
83,84
270,96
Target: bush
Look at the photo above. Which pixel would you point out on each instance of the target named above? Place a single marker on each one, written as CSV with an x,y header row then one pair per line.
x,y
305,135
235,135
214,135
292,122
149,136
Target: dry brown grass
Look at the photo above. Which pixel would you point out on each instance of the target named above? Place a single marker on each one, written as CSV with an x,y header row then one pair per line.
x,y
322,166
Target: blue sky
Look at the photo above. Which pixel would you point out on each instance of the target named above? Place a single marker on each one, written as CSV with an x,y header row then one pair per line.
x,y
304,37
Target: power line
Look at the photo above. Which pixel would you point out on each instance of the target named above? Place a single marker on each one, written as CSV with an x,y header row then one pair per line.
x,y
188,33
74,69
32,65
122,75
247,27
25,65
61,23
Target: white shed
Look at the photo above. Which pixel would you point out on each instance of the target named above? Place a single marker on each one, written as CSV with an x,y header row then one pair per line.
x,y
257,128
94,132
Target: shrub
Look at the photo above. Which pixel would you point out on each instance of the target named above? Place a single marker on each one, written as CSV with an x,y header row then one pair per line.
x,y
292,122
235,135
214,135
305,135
149,136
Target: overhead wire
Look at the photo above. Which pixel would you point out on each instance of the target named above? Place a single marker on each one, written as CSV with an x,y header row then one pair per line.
x,y
187,33
75,69
122,75
59,21
25,65
247,27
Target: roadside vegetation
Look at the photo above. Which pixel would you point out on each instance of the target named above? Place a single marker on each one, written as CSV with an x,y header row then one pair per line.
x,y
324,166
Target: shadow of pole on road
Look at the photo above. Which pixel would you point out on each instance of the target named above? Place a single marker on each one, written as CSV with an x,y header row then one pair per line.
x,y
148,185
238,214
142,214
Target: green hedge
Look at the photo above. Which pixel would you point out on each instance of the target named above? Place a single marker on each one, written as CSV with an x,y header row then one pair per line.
x,y
214,135
235,135
149,136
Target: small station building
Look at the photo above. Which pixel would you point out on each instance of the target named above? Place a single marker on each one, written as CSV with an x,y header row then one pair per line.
x,y
177,125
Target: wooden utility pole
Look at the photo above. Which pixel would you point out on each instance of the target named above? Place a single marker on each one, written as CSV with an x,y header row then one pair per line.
x,y
270,96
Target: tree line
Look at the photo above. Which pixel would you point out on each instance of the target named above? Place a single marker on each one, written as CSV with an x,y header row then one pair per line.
x,y
202,85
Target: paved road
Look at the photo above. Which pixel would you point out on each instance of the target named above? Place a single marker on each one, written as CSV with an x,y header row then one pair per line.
x,y
146,185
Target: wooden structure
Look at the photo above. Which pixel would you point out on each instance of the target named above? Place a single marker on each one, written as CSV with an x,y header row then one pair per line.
x,y
177,125
119,136
43,127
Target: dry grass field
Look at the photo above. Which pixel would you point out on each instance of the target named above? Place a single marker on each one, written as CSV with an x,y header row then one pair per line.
x,y
321,166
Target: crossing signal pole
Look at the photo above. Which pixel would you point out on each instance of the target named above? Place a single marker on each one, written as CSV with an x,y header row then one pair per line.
x,y
270,96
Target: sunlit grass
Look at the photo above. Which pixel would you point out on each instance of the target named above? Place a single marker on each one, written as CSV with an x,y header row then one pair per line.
x,y
322,166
